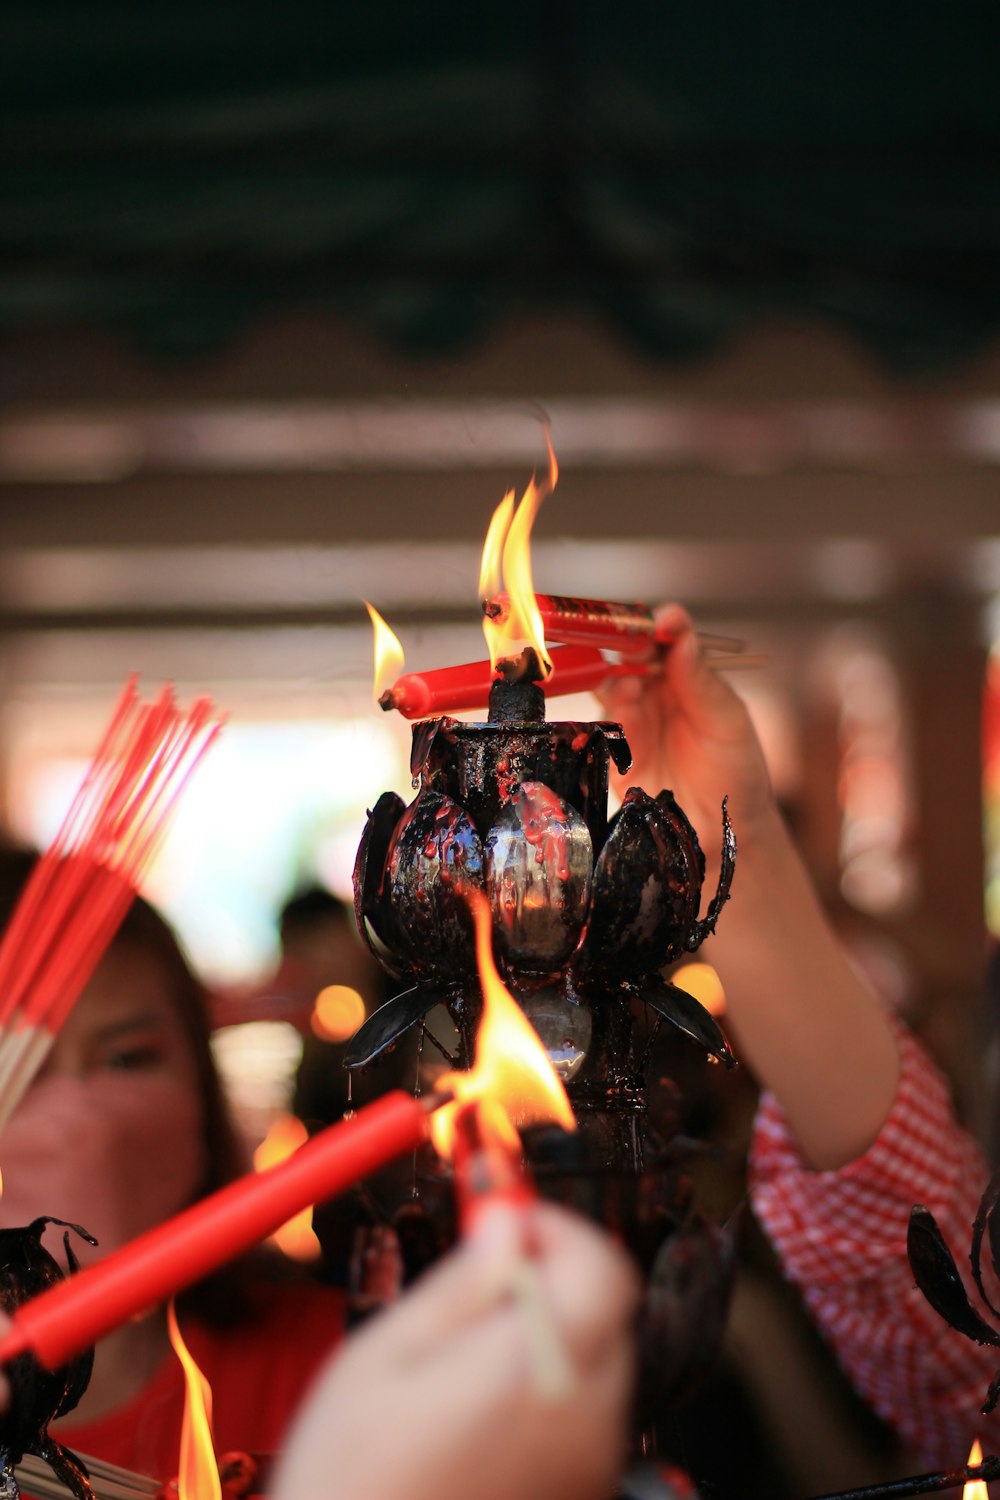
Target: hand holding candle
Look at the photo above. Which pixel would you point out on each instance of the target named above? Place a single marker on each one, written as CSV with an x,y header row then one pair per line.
x,y
489,1175
459,1342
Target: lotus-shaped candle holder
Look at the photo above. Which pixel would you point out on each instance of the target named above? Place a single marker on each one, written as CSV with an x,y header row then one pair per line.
x,y
586,914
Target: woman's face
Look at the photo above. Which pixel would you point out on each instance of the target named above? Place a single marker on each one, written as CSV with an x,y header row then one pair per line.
x,y
110,1135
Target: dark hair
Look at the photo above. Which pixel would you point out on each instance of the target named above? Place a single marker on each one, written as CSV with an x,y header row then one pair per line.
x,y
312,907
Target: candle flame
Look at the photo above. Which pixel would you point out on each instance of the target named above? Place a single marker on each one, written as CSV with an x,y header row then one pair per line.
x,y
511,1077
975,1489
197,1470
389,656
507,562
285,1135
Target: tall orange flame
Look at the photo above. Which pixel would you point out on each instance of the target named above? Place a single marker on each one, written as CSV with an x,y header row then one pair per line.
x,y
285,1135
511,1074
197,1470
389,656
507,559
975,1489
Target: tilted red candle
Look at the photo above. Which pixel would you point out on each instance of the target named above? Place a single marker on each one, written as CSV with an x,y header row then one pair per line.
x,y
450,690
629,629
73,1314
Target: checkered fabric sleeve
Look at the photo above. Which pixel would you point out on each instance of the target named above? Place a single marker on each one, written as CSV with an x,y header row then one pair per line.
x,y
841,1238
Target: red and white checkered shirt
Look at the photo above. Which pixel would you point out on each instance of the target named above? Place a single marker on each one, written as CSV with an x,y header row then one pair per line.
x,y
841,1237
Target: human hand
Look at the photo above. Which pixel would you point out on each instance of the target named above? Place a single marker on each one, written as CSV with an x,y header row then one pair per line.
x,y
434,1399
689,731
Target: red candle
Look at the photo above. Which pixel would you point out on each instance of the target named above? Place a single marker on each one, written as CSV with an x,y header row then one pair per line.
x,y
627,628
450,690
630,630
74,1313
486,1170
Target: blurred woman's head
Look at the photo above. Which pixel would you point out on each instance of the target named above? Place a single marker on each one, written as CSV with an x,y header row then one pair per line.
x,y
126,1123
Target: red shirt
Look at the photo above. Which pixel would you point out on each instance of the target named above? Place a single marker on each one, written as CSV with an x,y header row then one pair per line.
x,y
841,1237
258,1373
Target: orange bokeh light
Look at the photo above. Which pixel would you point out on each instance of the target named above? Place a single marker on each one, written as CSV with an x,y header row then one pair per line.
x,y
337,1013
511,1069
701,981
285,1135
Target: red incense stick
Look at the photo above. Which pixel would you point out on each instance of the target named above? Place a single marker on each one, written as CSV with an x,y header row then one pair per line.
x,y
81,888
73,1314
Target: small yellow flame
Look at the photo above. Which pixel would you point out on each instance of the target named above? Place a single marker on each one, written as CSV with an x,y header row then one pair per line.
x,y
507,558
197,1470
285,1135
975,1489
511,1071
337,1013
389,656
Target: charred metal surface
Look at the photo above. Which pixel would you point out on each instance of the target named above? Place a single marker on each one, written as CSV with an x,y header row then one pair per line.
x,y
516,699
38,1396
481,765
435,858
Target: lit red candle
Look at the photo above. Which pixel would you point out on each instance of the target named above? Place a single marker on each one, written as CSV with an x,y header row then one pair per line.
x,y
487,1169
451,690
73,1314
629,629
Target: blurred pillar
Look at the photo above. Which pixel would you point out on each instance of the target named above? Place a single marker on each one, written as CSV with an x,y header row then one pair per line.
x,y
941,660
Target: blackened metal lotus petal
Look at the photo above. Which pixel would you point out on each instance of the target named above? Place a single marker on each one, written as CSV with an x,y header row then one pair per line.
x,y
684,1314
689,872
435,860
936,1275
688,1015
632,906
539,864
384,1027
686,872
370,907
986,1222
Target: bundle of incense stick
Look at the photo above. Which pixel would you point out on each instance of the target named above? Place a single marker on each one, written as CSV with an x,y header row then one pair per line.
x,y
108,1481
81,888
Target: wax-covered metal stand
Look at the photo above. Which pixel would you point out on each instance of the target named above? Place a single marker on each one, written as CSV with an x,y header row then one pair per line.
x,y
586,913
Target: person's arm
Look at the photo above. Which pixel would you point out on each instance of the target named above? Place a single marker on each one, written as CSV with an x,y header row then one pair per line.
x,y
841,1238
436,1399
801,1017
